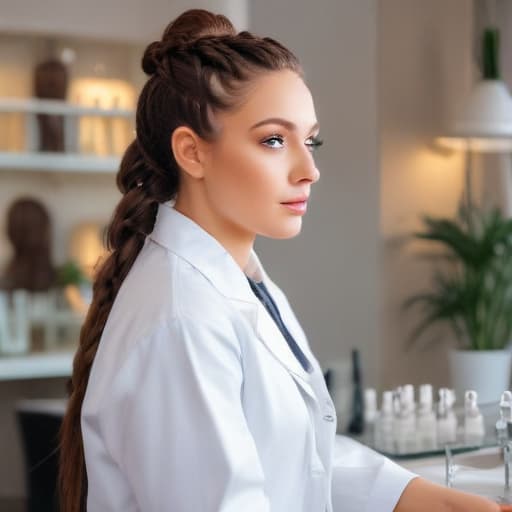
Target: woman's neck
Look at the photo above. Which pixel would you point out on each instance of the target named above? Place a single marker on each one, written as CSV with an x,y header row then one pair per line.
x,y
237,242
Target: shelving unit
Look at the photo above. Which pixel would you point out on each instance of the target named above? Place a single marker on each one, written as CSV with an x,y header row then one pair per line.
x,y
58,162
58,107
98,121
70,160
36,365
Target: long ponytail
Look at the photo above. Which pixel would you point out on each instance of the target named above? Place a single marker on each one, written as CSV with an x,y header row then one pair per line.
x,y
133,219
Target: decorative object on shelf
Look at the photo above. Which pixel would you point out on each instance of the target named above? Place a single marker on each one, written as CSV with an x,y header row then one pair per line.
x,y
104,135
473,295
51,82
14,323
29,230
36,322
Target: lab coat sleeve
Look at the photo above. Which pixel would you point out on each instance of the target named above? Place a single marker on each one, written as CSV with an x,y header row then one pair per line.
x,y
178,429
364,480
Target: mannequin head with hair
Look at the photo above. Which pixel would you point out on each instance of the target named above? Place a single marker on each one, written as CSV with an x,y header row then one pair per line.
x,y
225,126
29,231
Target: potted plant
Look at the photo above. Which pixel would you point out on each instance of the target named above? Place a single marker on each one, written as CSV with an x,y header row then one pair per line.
x,y
472,293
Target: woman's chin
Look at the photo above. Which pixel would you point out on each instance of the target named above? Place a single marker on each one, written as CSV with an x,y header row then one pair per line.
x,y
288,229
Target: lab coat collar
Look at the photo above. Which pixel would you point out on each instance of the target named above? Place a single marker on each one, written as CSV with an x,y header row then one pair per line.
x,y
185,238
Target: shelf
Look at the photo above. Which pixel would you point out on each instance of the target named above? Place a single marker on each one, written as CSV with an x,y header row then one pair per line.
x,y
58,107
58,162
36,366
48,406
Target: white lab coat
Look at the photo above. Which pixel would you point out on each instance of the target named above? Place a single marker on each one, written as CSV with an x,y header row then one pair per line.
x,y
195,402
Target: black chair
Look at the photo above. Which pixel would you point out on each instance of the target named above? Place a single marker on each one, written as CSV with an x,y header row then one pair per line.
x,y
39,422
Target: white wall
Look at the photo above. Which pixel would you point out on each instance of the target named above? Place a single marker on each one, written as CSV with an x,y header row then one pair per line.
x,y
424,68
330,272
385,76
117,20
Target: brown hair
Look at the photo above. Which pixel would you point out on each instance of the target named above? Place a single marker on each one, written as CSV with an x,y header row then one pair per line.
x,y
198,67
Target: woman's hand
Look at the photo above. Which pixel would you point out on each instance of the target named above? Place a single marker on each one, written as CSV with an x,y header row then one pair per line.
x,y
424,496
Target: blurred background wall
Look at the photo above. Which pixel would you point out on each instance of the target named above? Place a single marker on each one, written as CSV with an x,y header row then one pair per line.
x,y
425,65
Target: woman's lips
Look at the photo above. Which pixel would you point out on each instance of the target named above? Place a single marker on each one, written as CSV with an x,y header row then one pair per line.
x,y
297,206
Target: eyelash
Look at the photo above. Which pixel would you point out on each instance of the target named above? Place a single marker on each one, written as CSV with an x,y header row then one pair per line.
x,y
312,146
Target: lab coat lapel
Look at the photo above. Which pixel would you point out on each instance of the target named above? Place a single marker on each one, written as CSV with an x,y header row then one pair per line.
x,y
273,339
271,336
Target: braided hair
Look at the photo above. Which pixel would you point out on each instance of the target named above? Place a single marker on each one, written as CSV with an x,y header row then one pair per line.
x,y
200,66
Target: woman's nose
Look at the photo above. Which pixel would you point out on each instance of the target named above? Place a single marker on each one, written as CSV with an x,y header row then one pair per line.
x,y
305,169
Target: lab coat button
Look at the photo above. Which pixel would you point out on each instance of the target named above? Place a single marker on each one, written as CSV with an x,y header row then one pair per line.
x,y
328,417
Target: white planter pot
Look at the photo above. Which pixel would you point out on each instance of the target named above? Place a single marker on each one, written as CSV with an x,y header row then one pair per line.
x,y
485,371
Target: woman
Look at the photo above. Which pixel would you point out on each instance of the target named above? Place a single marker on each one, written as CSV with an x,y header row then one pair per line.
x,y
194,387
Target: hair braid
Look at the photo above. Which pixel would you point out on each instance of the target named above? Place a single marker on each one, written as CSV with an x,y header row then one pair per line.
x,y
199,66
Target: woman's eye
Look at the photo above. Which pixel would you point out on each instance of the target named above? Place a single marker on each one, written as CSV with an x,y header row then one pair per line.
x,y
271,141
314,143
277,142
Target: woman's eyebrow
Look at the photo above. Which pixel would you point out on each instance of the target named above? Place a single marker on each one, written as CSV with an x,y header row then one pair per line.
x,y
278,120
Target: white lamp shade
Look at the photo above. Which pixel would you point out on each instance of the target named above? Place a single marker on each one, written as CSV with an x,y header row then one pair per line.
x,y
484,119
486,112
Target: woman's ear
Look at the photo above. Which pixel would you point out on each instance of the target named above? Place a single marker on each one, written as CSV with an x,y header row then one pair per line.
x,y
189,151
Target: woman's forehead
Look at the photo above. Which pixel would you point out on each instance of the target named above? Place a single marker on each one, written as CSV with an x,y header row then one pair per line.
x,y
281,97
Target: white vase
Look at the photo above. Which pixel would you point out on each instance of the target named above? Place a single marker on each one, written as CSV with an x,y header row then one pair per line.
x,y
485,371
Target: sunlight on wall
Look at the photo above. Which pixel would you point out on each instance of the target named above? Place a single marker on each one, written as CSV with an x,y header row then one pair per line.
x,y
86,246
425,179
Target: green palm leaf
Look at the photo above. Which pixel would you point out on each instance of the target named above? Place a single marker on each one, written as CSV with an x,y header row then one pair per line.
x,y
473,292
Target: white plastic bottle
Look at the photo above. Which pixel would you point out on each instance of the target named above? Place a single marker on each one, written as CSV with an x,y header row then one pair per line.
x,y
370,412
405,421
505,421
426,427
370,405
408,391
384,438
474,429
446,419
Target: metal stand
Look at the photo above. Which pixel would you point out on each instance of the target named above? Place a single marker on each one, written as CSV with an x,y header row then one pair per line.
x,y
467,197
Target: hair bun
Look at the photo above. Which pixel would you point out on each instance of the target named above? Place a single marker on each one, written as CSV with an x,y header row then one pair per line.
x,y
183,31
196,23
152,57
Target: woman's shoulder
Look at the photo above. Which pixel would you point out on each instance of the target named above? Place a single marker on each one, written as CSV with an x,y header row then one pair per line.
x,y
163,302
163,285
